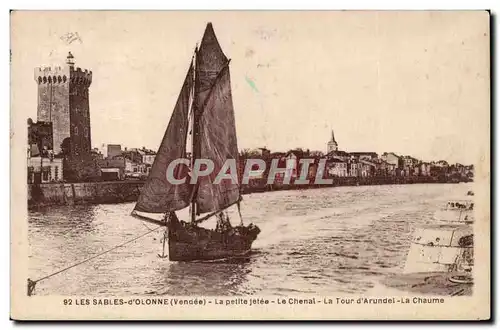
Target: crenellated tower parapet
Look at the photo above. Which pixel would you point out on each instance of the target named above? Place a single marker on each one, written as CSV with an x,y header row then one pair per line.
x,y
80,77
52,75
63,75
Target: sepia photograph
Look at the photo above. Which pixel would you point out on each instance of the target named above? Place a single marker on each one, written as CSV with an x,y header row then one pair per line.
x,y
309,164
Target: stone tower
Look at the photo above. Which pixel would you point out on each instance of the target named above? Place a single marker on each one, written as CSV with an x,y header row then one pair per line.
x,y
332,145
63,100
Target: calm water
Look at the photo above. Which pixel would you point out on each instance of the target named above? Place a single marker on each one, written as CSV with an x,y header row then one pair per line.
x,y
332,240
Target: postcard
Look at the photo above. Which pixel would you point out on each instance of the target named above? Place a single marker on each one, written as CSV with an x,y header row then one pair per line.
x,y
250,165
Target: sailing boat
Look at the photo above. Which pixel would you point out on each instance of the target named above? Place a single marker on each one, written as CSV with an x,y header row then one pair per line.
x,y
204,112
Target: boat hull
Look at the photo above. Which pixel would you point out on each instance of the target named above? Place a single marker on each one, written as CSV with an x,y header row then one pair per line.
x,y
424,283
187,242
454,216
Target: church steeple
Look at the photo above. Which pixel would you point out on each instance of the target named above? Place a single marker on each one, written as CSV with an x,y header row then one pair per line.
x,y
332,145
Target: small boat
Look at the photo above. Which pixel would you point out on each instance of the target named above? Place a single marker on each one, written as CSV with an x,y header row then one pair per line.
x,y
456,211
204,115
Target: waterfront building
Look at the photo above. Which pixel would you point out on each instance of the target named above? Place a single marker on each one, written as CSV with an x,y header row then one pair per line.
x,y
384,168
338,154
364,155
43,167
293,158
135,170
51,170
148,156
112,169
337,168
423,169
313,170
409,161
392,158
291,164
367,167
440,163
133,154
353,168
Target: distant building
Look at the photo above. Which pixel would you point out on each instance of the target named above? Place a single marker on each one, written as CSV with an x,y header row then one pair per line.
x,y
367,167
337,168
114,150
391,158
440,163
353,168
384,168
43,166
148,157
364,155
338,154
424,169
133,154
112,169
45,169
40,134
135,170
292,159
409,161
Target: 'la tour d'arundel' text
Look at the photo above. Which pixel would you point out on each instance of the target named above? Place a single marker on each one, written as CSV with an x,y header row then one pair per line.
x,y
405,300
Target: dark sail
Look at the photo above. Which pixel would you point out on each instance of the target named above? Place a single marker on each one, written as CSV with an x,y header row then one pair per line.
x,y
158,194
209,62
215,137
218,143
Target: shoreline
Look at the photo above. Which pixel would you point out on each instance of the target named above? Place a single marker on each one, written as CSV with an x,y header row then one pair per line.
x,y
115,192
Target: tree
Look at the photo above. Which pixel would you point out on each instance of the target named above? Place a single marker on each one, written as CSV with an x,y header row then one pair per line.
x,y
248,153
66,147
316,153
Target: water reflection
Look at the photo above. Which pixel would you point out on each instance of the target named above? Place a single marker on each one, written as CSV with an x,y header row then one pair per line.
x,y
77,220
226,277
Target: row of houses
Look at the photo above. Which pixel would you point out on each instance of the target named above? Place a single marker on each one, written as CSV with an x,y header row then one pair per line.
x,y
340,163
135,163
129,163
44,166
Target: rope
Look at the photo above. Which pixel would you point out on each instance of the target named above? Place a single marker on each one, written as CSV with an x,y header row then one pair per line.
x,y
145,225
31,283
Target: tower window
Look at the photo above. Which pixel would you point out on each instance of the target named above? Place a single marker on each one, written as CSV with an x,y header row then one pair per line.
x,y
76,130
86,132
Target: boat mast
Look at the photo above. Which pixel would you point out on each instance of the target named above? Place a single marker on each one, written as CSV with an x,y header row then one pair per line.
x,y
193,134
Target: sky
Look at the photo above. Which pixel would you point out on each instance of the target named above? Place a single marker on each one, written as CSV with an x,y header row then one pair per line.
x,y
414,83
